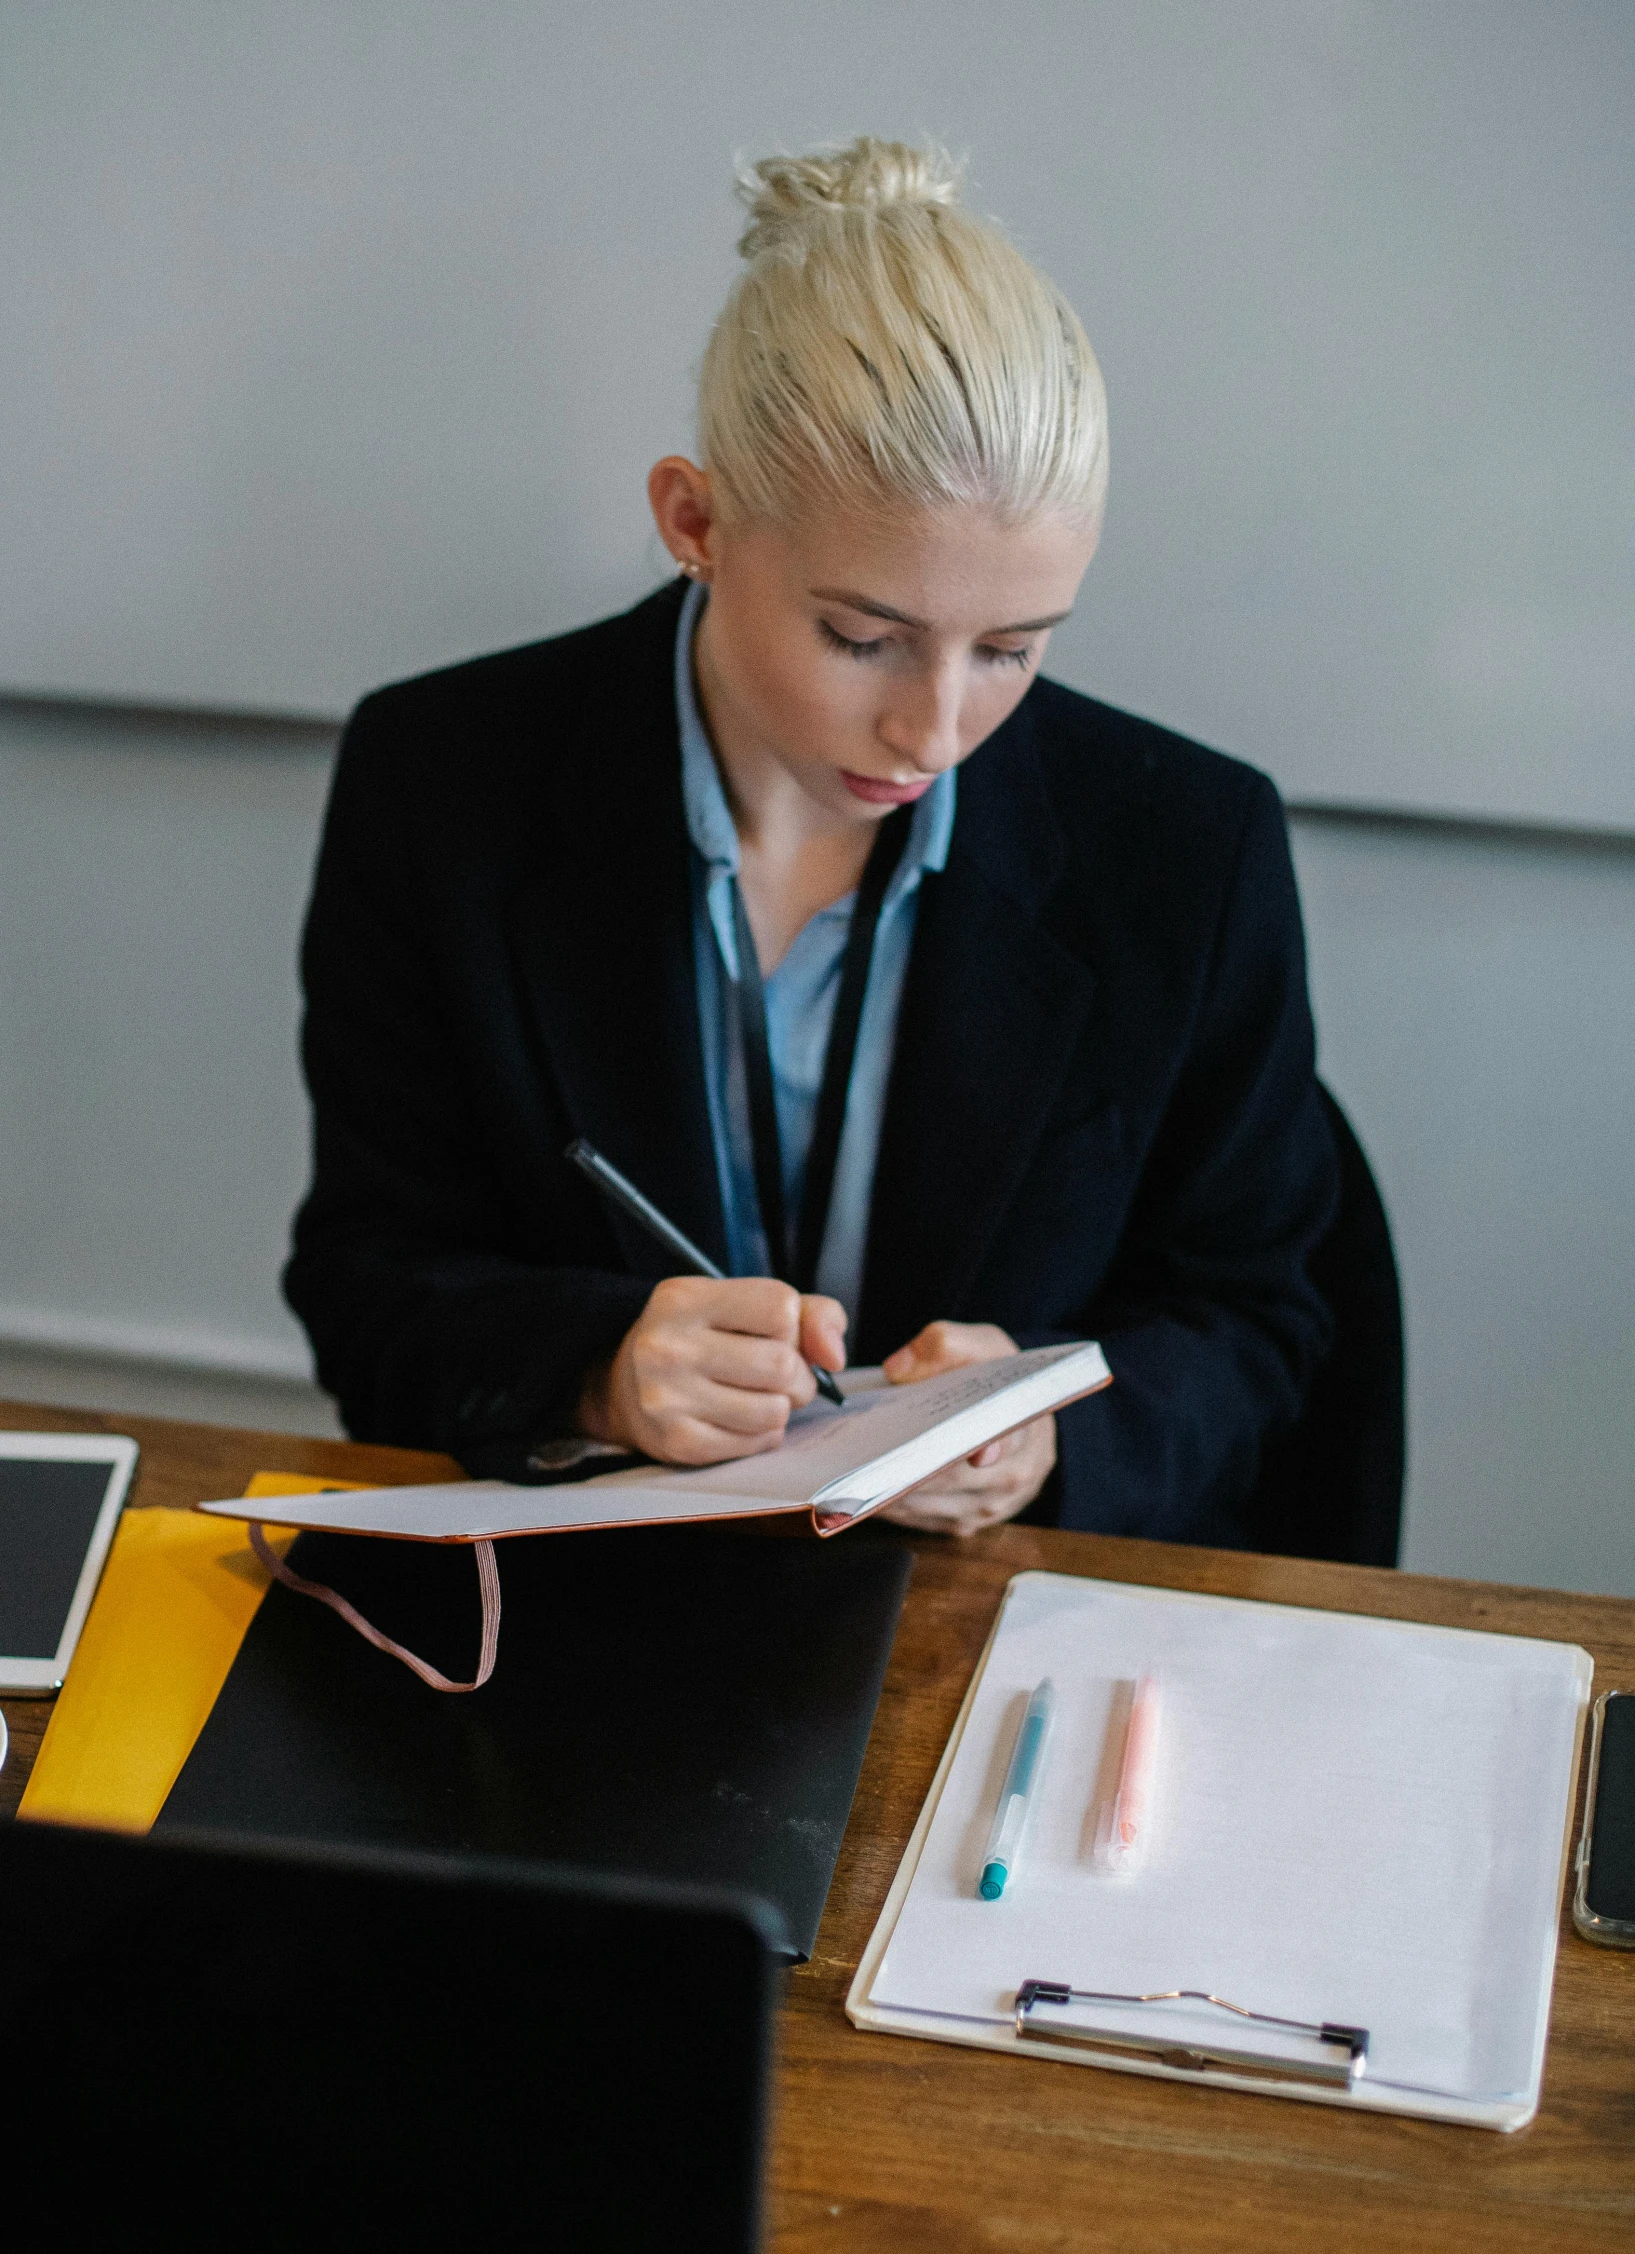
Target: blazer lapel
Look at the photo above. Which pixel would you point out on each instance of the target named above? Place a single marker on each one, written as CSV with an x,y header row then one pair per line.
x,y
603,944
992,1009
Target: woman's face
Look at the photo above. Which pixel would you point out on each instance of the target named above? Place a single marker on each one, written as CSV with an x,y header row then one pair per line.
x,y
863,658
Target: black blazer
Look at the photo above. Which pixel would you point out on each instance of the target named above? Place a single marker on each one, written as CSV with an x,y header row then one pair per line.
x,y
1101,1122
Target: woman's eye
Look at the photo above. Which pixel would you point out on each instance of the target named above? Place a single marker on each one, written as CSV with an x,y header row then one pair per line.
x,y
838,641
1006,657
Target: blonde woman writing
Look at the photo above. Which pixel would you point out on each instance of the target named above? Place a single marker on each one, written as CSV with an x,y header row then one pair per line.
x,y
947,1010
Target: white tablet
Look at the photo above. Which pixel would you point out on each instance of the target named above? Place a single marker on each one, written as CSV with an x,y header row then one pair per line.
x,y
60,1497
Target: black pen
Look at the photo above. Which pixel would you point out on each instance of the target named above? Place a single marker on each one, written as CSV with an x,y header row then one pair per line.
x,y
608,1179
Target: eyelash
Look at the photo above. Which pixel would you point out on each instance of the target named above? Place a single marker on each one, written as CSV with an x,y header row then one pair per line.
x,y
837,641
861,650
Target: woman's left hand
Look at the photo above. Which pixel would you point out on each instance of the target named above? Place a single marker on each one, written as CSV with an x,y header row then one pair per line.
x,y
1000,1479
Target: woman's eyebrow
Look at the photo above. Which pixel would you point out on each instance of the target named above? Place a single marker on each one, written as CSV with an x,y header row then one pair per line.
x,y
871,609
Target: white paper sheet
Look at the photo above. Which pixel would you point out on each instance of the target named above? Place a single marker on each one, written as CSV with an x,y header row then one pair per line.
x,y
1356,1820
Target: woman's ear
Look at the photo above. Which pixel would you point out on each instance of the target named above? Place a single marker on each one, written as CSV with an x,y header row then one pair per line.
x,y
683,506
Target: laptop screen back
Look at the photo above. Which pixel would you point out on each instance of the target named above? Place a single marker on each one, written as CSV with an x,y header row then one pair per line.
x,y
219,2046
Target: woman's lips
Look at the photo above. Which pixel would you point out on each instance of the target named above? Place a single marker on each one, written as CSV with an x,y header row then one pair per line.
x,y
884,794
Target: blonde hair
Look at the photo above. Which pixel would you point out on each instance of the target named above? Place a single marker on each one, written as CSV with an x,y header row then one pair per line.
x,y
883,346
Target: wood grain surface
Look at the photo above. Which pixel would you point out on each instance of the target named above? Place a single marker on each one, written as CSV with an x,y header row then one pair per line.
x,y
881,2142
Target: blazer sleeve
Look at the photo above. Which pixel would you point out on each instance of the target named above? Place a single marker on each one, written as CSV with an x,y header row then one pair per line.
x,y
1208,1317
426,1326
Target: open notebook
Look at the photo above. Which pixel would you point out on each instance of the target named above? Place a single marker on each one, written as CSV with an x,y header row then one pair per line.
x,y
1359,1827
837,1463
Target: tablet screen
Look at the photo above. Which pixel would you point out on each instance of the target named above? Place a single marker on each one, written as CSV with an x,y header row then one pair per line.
x,y
48,1514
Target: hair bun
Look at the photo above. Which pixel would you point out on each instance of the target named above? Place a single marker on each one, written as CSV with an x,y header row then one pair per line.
x,y
785,193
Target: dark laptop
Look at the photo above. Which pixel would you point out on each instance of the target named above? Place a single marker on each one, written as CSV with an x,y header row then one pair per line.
x,y
248,2045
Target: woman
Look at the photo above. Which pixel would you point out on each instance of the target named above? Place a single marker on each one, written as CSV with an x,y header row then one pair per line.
x,y
609,886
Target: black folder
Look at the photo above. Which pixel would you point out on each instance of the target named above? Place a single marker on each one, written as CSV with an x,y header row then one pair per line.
x,y
674,1703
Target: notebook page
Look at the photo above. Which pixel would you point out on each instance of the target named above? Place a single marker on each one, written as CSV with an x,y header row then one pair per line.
x,y
911,1429
824,1445
1356,1820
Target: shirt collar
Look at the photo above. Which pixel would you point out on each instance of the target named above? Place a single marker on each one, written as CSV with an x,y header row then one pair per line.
x,y
709,819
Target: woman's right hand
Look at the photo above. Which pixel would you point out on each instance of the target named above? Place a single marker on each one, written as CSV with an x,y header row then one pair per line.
x,y
711,1370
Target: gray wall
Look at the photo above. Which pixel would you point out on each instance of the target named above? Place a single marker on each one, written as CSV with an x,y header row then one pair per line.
x,y
340,337
1474,996
152,1124
1475,1001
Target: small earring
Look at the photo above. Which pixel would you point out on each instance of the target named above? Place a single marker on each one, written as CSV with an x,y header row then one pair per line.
x,y
691,569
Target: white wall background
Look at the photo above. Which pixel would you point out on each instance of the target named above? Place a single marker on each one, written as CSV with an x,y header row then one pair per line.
x,y
1475,1001
152,1123
338,337
337,340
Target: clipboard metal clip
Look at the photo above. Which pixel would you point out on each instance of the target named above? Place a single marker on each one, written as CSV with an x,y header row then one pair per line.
x,y
1341,2060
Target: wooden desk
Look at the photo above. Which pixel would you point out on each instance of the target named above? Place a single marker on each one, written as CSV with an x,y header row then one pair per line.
x,y
884,2143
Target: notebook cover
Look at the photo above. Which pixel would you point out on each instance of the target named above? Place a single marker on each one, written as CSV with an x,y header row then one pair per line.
x,y
675,1702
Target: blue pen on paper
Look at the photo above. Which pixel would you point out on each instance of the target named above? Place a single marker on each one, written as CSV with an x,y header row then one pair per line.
x,y
624,1192
1016,1796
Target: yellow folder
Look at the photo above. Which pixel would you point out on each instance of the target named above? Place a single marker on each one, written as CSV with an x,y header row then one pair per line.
x,y
176,1596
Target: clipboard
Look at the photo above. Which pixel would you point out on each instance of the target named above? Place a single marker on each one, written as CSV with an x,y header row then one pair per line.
x,y
1307,2007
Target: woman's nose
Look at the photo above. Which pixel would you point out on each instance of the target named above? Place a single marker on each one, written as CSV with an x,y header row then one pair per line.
x,y
923,726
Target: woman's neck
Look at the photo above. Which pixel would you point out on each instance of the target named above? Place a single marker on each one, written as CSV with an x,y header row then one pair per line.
x,y
795,857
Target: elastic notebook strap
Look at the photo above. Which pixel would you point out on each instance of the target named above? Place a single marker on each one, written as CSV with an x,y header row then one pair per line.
x,y
488,1582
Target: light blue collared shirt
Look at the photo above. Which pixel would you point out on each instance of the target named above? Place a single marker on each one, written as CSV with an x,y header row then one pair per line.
x,y
800,1002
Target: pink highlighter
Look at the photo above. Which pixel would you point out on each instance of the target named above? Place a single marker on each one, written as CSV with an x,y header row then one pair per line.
x,y
1125,1827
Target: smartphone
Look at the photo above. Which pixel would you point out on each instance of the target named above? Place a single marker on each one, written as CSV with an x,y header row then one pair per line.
x,y
1604,1906
60,1498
